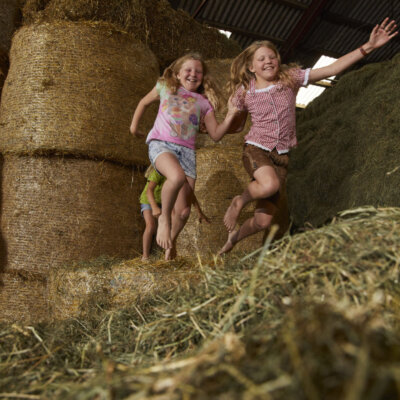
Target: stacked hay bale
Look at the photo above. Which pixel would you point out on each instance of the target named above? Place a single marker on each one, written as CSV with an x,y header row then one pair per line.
x,y
72,173
220,177
348,147
168,33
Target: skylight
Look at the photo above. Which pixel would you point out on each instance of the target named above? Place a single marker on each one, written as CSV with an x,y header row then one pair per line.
x,y
226,33
308,94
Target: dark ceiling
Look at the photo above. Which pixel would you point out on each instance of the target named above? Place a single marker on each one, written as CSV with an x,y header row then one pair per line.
x,y
303,30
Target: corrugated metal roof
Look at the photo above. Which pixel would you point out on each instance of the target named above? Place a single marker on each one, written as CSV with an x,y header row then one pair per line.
x,y
303,30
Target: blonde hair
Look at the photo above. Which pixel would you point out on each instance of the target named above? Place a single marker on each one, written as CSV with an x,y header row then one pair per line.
x,y
241,74
208,87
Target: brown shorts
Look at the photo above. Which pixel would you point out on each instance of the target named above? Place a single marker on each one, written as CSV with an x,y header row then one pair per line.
x,y
255,157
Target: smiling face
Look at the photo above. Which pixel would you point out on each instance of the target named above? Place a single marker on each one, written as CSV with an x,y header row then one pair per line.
x,y
265,66
190,75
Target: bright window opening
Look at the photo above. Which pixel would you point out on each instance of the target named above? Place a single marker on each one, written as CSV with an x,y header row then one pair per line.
x,y
308,94
226,33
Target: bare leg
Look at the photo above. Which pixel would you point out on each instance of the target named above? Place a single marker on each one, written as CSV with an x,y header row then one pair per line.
x,y
180,214
260,221
169,166
148,233
266,184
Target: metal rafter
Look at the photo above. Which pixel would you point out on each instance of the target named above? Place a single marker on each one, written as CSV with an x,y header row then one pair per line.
x,y
303,26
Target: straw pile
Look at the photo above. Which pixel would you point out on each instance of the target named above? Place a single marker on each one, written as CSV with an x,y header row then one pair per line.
x,y
315,316
72,89
348,146
168,33
220,72
57,210
220,177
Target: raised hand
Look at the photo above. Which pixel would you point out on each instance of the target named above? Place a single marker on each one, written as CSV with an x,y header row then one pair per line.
x,y
382,33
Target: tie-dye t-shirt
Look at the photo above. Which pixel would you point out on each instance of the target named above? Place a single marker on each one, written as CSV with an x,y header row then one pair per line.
x,y
179,115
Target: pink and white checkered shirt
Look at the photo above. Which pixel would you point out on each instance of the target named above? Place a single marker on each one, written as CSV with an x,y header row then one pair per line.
x,y
273,113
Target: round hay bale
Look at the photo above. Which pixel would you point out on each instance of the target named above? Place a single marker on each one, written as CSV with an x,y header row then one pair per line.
x,y
220,177
168,33
57,210
220,72
72,89
348,147
10,17
74,289
23,297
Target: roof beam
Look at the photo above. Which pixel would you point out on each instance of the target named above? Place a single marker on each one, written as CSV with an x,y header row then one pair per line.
x,y
303,26
240,31
203,3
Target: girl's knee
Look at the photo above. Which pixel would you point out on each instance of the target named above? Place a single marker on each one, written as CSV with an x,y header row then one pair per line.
x,y
262,221
184,213
271,187
178,180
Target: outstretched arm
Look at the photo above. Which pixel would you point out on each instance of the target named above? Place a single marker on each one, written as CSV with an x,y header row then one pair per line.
x,y
216,131
379,36
150,97
155,209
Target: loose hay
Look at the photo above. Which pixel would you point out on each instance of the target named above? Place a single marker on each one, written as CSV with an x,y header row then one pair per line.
x,y
167,32
348,145
58,210
220,177
72,89
315,316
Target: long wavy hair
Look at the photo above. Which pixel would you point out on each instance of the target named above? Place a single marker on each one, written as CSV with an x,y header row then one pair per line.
x,y
208,87
241,74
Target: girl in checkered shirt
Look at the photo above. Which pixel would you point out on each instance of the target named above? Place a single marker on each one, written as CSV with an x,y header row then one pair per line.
x,y
266,89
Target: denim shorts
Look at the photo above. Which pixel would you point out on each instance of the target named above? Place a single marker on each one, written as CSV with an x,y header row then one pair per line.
x,y
146,207
185,156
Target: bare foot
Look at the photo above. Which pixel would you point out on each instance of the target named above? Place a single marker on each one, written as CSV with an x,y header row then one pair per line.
x,y
170,254
164,233
145,259
232,213
230,243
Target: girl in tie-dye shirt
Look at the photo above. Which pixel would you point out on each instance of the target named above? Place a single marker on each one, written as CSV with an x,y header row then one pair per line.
x,y
187,95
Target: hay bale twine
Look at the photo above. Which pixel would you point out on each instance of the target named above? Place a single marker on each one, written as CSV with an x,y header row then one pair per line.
x,y
168,33
57,210
348,147
220,72
23,296
220,177
72,89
